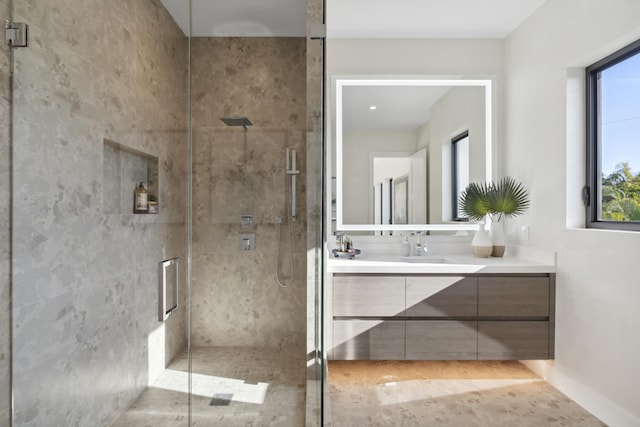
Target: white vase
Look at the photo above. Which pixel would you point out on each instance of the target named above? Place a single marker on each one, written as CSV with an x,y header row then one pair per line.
x,y
481,244
496,232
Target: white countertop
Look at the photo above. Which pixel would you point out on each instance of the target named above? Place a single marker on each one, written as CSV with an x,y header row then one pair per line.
x,y
442,264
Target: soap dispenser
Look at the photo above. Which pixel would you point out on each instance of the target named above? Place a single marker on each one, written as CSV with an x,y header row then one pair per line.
x,y
412,243
406,246
420,248
140,203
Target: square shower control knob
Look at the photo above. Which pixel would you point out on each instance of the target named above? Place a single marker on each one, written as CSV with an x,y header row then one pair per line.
x,y
246,220
247,241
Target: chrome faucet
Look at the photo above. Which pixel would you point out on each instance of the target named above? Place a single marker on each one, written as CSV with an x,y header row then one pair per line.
x,y
341,241
421,246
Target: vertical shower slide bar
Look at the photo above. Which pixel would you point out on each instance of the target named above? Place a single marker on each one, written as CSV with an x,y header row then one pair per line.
x,y
292,171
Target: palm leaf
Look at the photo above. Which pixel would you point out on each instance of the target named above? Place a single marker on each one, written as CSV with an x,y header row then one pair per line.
x,y
507,198
473,201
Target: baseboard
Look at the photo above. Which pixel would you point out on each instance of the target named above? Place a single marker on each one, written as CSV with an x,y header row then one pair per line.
x,y
607,411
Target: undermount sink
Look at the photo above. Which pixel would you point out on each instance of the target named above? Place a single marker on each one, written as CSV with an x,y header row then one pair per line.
x,y
427,259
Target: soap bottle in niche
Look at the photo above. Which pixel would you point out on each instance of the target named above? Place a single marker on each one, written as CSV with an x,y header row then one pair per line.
x,y
140,204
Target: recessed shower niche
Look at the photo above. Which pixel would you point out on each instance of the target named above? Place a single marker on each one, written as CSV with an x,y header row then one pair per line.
x,y
123,169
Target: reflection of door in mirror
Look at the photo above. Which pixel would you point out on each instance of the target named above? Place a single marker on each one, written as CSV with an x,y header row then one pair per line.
x,y
393,167
400,200
385,169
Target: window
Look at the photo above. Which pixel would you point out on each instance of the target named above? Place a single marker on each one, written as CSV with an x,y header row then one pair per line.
x,y
460,172
612,193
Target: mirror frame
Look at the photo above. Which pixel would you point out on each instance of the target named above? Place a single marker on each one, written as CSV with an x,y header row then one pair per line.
x,y
341,82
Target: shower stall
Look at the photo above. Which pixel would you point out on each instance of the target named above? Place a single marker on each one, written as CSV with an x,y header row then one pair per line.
x,y
226,134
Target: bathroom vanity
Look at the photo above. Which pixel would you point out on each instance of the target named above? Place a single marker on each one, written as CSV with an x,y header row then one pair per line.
x,y
448,305
440,308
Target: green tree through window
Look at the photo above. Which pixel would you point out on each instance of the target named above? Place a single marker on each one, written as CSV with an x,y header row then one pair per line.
x,y
621,195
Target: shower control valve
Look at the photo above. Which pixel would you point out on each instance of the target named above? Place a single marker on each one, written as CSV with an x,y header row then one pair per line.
x,y
247,241
246,221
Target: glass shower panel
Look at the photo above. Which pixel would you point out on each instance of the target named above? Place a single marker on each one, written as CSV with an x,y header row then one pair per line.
x,y
247,331
315,219
90,115
97,111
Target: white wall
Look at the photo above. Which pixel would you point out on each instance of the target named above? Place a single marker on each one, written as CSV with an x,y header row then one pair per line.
x,y
598,285
406,57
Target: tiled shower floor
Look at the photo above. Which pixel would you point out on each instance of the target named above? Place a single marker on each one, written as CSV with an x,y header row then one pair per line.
x,y
232,386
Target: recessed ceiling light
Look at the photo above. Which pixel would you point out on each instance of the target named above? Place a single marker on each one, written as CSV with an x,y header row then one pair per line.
x,y
372,107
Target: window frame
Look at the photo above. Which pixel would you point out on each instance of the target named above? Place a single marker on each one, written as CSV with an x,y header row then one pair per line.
x,y
454,176
591,194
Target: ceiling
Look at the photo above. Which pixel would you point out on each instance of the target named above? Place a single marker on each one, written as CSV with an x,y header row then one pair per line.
x,y
355,18
473,19
427,18
397,107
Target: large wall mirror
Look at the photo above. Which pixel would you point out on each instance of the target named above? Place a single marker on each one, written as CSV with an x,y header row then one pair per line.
x,y
405,148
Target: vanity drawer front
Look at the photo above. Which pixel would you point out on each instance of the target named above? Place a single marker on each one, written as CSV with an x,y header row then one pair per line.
x,y
513,340
442,296
368,296
442,340
513,296
368,340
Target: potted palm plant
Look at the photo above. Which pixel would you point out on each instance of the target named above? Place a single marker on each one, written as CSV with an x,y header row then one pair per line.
x,y
506,199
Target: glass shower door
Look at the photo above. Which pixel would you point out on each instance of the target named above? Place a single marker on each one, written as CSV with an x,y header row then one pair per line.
x,y
256,241
99,104
5,215
248,299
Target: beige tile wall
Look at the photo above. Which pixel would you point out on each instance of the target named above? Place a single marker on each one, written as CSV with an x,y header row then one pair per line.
x,y
236,298
85,277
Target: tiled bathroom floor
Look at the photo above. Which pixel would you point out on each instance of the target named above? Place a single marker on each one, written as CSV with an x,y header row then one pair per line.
x,y
232,386
262,387
447,393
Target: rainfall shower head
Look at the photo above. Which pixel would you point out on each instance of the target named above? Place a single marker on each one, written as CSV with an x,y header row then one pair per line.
x,y
236,121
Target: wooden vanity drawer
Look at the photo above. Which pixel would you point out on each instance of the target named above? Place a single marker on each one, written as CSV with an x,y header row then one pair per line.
x,y
442,296
368,340
442,317
368,296
513,296
513,340
441,340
